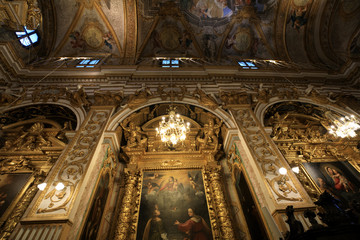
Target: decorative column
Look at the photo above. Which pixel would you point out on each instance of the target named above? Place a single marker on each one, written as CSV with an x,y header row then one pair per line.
x,y
217,201
127,219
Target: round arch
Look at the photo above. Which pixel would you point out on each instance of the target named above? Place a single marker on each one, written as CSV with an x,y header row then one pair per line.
x,y
125,112
261,108
80,113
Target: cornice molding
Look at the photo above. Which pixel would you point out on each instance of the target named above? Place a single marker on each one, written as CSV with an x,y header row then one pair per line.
x,y
16,71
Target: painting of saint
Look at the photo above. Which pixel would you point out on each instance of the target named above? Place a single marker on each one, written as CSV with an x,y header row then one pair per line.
x,y
173,206
195,227
10,187
340,179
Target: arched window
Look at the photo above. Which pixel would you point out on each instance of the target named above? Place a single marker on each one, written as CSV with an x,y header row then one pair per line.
x,y
28,38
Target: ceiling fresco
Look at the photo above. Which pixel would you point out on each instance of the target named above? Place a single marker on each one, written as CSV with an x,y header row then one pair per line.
x,y
311,33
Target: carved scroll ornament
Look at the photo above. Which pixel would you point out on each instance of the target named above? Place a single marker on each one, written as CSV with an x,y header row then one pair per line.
x,y
73,168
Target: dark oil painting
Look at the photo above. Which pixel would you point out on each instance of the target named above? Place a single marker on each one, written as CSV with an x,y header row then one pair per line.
x,y
173,206
10,187
340,179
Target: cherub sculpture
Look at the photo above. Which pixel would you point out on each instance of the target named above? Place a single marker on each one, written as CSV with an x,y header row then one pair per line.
x,y
210,133
134,135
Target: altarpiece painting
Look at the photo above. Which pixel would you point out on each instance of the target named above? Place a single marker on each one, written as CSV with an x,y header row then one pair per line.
x,y
337,178
173,206
10,187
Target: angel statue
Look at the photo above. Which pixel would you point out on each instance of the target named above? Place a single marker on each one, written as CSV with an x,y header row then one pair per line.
x,y
210,133
134,135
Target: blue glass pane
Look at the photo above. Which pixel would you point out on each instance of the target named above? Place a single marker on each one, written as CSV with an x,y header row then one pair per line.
x,y
245,67
165,66
165,61
94,62
90,66
19,34
84,62
242,64
34,38
175,62
254,68
250,64
29,31
79,66
175,66
25,41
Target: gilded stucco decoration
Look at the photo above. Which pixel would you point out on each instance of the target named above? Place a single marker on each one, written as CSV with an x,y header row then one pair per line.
x,y
11,97
108,98
300,131
205,99
34,16
127,219
73,167
267,159
218,207
14,218
16,14
145,153
234,98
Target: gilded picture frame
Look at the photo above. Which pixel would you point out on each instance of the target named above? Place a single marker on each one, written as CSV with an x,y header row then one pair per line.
x,y
13,186
171,200
338,178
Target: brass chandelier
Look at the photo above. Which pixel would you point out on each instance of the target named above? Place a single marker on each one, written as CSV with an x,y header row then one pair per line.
x,y
174,129
343,126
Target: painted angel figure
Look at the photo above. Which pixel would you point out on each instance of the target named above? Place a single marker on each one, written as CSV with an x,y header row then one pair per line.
x,y
196,183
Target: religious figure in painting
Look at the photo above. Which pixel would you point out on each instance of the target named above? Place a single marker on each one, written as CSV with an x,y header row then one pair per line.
x,y
154,229
195,228
340,182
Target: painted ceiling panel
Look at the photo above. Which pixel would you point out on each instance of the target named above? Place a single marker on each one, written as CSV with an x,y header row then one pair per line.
x,y
114,13
90,36
65,13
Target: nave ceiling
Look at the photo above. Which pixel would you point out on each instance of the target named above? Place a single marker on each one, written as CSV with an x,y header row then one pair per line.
x,y
304,37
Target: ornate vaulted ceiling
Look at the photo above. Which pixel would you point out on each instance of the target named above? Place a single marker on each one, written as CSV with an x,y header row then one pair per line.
x,y
307,36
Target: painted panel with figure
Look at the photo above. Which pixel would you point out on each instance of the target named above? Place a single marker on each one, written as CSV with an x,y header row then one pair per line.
x,y
338,178
173,206
10,186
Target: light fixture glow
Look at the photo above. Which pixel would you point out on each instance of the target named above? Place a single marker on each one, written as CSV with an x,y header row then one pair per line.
x,y
60,186
295,169
41,186
173,130
282,171
343,126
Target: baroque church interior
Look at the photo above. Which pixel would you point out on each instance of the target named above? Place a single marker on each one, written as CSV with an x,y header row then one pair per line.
x,y
179,119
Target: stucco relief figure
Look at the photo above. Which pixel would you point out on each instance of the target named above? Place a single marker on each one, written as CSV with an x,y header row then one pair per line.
x,y
108,98
205,99
79,98
210,135
134,135
32,139
8,97
233,97
139,97
196,228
